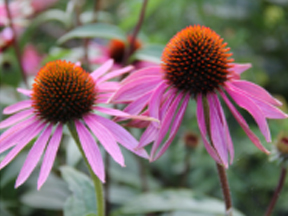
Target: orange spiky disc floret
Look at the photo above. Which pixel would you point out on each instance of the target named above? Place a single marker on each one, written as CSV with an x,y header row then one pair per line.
x,y
196,60
62,92
117,49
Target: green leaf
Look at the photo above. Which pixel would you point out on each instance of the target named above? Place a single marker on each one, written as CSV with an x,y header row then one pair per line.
x,y
100,30
91,214
53,14
173,200
150,53
83,200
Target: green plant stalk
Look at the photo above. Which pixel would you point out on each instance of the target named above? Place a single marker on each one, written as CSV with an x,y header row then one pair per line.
x,y
96,181
221,169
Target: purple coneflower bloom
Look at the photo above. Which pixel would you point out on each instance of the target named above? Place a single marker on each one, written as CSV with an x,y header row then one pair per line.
x,y
63,92
196,65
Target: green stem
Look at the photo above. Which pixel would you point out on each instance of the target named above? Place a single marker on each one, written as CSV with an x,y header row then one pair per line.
x,y
96,181
221,169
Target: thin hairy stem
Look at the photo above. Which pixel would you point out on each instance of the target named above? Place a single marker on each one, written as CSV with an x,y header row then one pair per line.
x,y
15,42
277,191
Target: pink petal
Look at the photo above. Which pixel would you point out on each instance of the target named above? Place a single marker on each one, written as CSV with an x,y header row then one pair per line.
x,y
240,68
16,118
245,102
16,133
115,73
243,124
50,155
34,156
120,134
203,131
115,112
149,135
225,125
175,126
25,92
165,124
255,91
217,131
106,138
133,90
168,98
12,154
155,101
17,107
102,69
91,150
149,71
108,86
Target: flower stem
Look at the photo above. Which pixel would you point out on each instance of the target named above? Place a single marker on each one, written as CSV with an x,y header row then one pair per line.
x,y
130,48
221,169
96,181
277,191
15,42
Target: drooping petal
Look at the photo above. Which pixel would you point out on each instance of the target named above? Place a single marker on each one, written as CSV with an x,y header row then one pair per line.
x,y
225,125
155,101
91,150
120,134
166,123
243,124
217,131
108,86
203,130
17,107
16,118
168,98
12,154
245,102
106,138
255,91
115,73
34,156
148,71
133,90
175,126
50,155
148,136
16,133
102,69
25,92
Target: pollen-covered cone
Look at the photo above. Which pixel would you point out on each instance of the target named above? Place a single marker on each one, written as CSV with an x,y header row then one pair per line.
x,y
63,92
196,64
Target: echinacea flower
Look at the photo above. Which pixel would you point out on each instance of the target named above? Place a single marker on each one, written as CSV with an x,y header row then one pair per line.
x,y
196,64
62,93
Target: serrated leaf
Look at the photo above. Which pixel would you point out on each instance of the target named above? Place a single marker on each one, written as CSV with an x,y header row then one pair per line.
x,y
98,30
150,53
83,200
173,200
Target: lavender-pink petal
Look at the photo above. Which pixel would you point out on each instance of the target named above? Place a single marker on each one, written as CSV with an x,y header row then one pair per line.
x,y
17,107
12,154
239,68
50,155
102,69
203,130
121,135
243,124
149,71
34,156
148,136
115,73
25,92
245,102
175,126
217,131
91,150
106,138
16,118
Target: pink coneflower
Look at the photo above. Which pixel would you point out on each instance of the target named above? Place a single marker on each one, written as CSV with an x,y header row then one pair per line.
x,y
63,92
196,65
31,60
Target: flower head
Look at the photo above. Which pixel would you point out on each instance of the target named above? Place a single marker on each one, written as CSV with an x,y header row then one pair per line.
x,y
196,64
62,93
